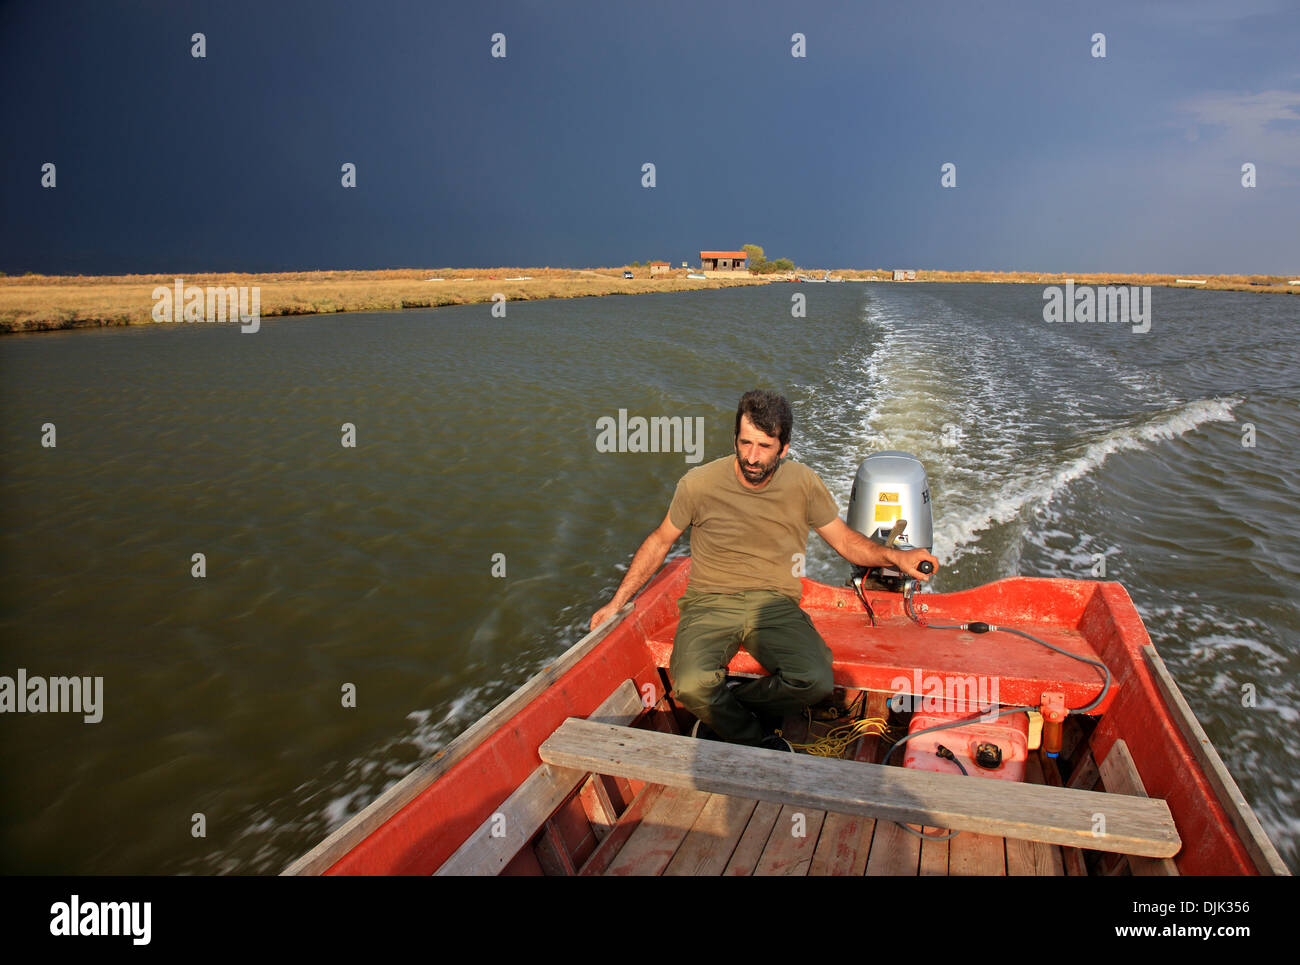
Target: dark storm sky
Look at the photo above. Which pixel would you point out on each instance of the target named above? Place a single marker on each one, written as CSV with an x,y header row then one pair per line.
x,y
1064,161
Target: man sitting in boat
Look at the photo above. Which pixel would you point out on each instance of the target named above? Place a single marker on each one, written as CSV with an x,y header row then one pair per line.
x,y
749,516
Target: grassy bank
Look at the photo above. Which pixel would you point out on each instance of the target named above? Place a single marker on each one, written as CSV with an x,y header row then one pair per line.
x,y
31,303
1253,283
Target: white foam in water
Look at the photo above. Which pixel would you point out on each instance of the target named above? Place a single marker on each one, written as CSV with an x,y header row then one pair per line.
x,y
341,808
1006,503
464,710
933,366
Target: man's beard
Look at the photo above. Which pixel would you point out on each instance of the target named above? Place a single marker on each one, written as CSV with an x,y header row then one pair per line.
x,y
760,474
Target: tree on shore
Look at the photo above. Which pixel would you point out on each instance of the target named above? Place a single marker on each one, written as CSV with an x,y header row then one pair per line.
x,y
759,264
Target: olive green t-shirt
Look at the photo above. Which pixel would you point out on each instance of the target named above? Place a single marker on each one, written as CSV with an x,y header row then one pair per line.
x,y
745,539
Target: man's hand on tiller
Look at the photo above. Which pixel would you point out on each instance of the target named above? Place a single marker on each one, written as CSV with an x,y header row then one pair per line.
x,y
908,560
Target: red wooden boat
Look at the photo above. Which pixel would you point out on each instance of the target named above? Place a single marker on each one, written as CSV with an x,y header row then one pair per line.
x,y
586,769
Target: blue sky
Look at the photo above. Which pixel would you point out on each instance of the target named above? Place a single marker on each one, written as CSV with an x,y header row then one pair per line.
x,y
1064,161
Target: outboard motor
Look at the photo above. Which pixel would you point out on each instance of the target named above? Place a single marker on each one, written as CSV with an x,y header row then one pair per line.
x,y
890,503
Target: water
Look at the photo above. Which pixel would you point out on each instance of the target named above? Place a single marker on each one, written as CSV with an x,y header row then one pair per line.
x,y
1049,447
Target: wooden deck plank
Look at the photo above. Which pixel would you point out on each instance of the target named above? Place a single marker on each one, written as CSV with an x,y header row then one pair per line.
x,y
893,851
651,847
1120,775
977,854
750,848
500,837
709,845
1000,808
843,846
599,805
628,822
1034,857
934,854
575,830
551,853
1046,769
792,843
1085,772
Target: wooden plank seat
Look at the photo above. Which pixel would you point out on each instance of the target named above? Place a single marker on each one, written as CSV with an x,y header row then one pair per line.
x,y
1065,816
524,812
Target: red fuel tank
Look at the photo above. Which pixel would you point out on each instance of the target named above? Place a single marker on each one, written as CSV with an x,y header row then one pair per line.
x,y
995,748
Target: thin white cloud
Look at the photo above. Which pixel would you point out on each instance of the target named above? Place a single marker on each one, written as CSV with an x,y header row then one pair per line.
x,y
1263,127
1214,12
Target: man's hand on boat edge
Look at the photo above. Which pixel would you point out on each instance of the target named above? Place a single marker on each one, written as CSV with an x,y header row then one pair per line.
x,y
649,557
604,613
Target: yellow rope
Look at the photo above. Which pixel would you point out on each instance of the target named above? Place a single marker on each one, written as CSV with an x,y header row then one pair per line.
x,y
836,741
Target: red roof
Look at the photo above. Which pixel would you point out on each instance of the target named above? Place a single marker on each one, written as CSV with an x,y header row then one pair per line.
x,y
723,254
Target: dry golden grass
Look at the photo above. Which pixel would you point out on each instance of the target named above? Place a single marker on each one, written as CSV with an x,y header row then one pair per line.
x,y
31,303
42,302
1254,283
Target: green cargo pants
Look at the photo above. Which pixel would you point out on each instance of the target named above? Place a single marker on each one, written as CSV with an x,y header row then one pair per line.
x,y
775,631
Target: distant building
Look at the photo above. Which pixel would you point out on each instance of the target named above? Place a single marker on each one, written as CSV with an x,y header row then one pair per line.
x,y
722,260
659,268
902,275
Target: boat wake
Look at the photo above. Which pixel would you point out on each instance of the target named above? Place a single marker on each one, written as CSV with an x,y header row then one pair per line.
x,y
1036,488
1001,419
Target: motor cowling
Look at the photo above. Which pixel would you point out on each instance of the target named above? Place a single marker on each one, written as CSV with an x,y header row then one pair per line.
x,y
891,487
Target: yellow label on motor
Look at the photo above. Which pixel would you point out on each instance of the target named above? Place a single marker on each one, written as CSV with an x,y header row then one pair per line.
x,y
887,514
887,498
1035,729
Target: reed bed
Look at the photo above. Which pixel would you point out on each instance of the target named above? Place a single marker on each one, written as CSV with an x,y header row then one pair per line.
x,y
44,302
30,303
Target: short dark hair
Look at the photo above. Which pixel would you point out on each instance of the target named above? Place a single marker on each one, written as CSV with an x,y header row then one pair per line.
x,y
769,412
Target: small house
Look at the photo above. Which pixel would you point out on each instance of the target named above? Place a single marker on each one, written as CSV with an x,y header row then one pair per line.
x,y
723,260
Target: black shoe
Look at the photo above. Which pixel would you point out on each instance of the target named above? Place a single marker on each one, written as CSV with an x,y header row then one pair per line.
x,y
775,742
703,731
